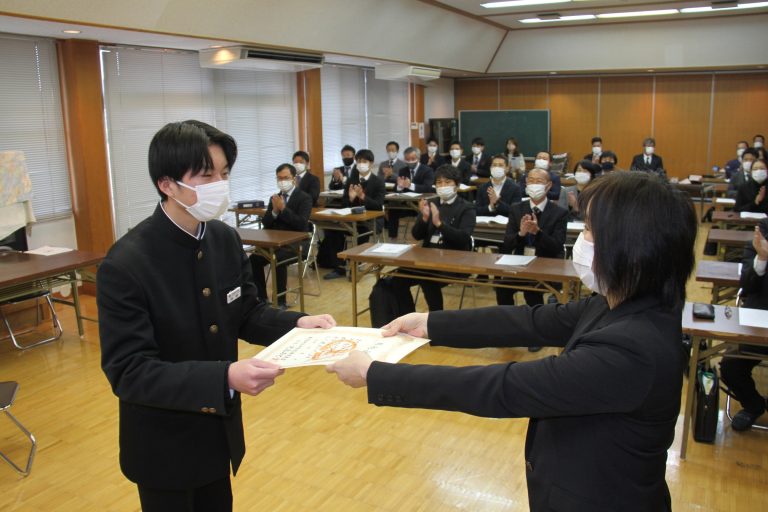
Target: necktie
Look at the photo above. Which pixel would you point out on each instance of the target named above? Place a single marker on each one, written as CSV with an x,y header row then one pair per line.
x,y
476,159
391,163
647,160
284,196
531,239
298,180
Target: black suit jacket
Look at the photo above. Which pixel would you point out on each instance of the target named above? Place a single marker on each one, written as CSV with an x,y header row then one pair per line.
x,y
338,185
603,412
423,179
374,191
295,215
746,195
437,162
458,223
510,194
168,334
553,224
483,166
465,170
754,288
310,184
656,165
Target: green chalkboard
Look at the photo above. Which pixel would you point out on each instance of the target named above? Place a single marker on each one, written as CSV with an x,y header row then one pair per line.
x,y
529,127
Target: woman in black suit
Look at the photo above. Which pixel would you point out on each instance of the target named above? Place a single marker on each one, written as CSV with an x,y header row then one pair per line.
x,y
603,412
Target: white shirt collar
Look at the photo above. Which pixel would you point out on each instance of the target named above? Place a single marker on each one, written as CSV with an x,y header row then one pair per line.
x,y
301,174
541,205
200,226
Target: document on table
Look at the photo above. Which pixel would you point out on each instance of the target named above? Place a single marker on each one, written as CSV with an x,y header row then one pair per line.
x,y
47,250
498,219
309,347
335,211
462,186
515,260
575,226
388,249
753,318
753,215
725,200
338,192
403,194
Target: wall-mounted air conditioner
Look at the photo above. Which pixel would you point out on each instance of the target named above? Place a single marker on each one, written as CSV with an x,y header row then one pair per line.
x,y
240,57
406,72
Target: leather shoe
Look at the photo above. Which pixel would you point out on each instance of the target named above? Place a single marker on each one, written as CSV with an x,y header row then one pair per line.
x,y
743,420
334,274
534,349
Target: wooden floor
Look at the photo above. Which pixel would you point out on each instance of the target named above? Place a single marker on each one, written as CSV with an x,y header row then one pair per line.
x,y
316,445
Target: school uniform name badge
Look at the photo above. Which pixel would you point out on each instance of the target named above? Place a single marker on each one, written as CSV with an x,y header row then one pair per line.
x,y
234,295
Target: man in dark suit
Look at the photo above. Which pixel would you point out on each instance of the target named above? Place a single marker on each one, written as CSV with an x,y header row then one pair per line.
x,y
734,166
288,210
480,162
498,195
737,373
389,168
363,188
648,160
415,177
432,157
751,196
305,180
340,174
597,150
744,174
457,161
175,294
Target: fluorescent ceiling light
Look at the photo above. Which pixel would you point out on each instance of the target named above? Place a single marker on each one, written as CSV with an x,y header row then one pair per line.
x,y
637,13
519,3
562,18
71,31
689,10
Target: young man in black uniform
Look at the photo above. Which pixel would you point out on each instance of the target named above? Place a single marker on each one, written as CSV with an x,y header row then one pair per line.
x,y
174,295
305,180
341,174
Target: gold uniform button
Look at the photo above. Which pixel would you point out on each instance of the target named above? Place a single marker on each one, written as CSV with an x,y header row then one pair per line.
x,y
204,409
199,255
214,329
206,292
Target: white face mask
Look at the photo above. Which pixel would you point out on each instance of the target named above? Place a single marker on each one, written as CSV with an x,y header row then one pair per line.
x,y
212,200
477,150
392,155
582,178
285,185
540,163
746,165
455,154
497,172
757,144
432,150
649,150
364,168
596,150
739,152
446,193
583,255
300,168
536,191
759,175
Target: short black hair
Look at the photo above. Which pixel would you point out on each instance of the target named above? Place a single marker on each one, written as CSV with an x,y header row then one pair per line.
x,y
364,154
758,135
597,139
743,142
587,165
301,154
183,146
500,156
448,172
392,142
286,166
432,139
624,208
750,151
609,154
347,147
455,143
547,152
649,140
479,141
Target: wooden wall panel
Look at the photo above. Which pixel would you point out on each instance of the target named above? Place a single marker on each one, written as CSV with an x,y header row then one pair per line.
x,y
476,95
523,94
681,124
740,112
573,116
416,107
625,115
311,119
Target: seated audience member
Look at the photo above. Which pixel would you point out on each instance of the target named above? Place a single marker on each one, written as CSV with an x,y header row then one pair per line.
x,y
608,162
597,150
501,192
536,227
515,159
734,166
288,210
445,223
758,143
305,180
456,160
389,168
648,161
480,163
432,157
544,161
415,177
743,176
737,373
363,188
584,172
751,196
340,174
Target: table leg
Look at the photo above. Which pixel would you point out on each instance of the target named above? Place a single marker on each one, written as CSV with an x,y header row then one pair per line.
x,y
688,411
353,265
299,270
76,302
273,263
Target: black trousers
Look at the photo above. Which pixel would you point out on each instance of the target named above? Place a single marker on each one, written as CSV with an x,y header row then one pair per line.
x,y
506,296
393,220
737,375
259,262
213,497
333,243
433,291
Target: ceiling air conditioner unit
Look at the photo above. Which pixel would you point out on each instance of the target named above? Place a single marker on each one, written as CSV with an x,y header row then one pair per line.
x,y
406,72
240,57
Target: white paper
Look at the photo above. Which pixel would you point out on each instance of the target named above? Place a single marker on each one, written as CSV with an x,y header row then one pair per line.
x,y
694,178
309,347
47,250
515,260
389,186
498,219
474,178
335,211
576,226
463,186
752,215
753,317
403,194
725,200
388,249
338,192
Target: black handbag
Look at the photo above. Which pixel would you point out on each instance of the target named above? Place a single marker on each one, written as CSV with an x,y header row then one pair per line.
x,y
707,404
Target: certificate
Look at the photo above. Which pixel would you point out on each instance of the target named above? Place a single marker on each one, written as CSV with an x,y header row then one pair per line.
x,y
308,347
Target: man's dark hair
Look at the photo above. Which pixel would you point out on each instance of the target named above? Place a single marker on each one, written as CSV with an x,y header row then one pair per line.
x,y
762,137
364,154
644,232
455,143
750,151
588,166
547,153
597,139
478,141
183,146
347,147
448,172
432,139
393,143
609,154
743,142
286,166
301,154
